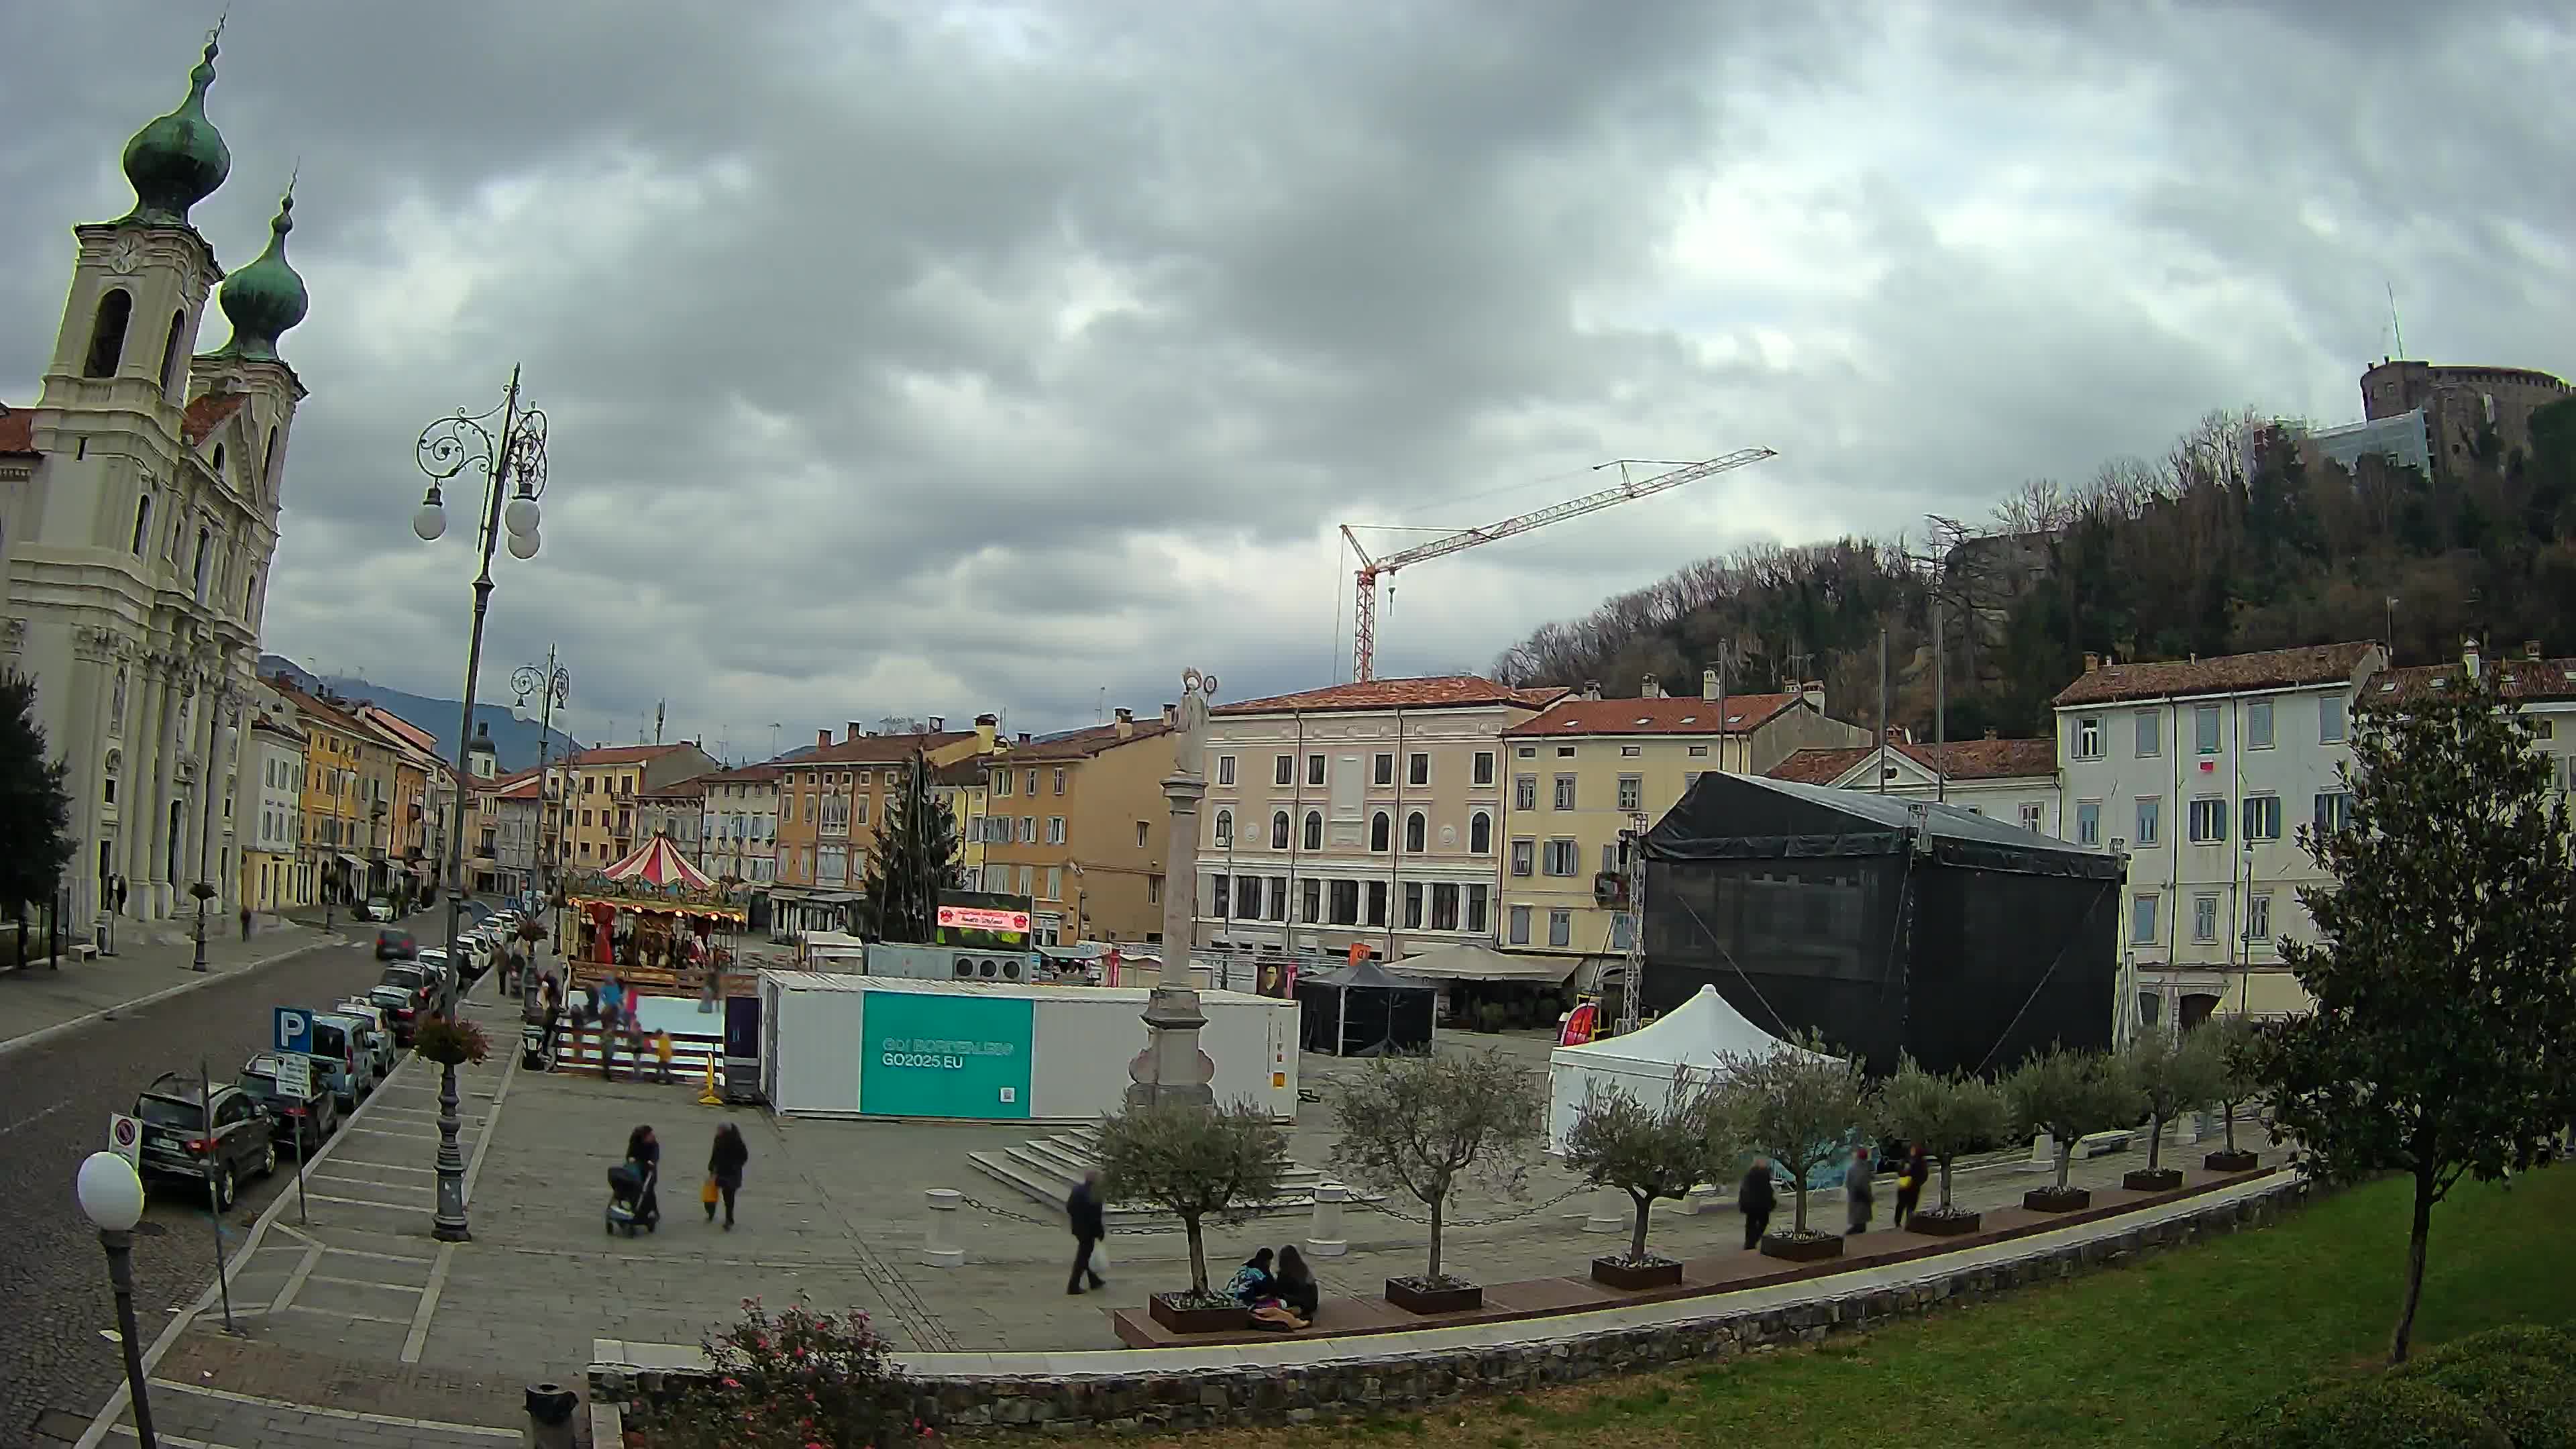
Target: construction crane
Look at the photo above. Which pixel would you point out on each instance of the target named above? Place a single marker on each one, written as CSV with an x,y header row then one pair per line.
x,y
1364,615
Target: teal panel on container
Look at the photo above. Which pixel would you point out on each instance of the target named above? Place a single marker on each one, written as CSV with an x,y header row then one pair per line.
x,y
938,1054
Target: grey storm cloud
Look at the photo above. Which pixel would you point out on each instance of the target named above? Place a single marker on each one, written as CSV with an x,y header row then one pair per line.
x,y
922,359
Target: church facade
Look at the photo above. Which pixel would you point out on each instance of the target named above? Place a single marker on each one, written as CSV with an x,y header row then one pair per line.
x,y
138,519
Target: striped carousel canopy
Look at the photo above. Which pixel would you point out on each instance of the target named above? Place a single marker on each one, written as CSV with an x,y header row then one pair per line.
x,y
658,864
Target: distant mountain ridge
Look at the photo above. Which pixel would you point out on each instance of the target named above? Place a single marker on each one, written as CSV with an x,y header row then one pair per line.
x,y
514,742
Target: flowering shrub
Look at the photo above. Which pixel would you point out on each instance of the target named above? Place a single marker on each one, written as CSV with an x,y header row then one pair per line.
x,y
450,1043
797,1379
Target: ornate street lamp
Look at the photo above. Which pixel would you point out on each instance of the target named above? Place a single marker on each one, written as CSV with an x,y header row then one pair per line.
x,y
514,459
111,1197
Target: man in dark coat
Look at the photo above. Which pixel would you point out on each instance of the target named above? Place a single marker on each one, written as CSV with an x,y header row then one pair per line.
x,y
1083,1211
1753,1199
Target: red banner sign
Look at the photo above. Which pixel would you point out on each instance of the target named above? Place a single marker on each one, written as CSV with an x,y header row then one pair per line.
x,y
1580,1025
976,918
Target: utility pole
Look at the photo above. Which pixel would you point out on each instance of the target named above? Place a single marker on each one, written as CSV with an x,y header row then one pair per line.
x,y
1882,710
1940,709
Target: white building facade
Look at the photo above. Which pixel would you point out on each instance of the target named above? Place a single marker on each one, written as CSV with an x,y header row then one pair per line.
x,y
271,825
138,518
2202,771
740,824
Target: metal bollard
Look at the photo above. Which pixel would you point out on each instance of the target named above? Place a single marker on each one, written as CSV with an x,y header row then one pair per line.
x,y
1324,1236
550,1409
2187,1129
939,1228
1609,1212
2043,1154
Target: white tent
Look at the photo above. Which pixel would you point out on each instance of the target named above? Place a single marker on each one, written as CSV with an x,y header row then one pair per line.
x,y
1690,1039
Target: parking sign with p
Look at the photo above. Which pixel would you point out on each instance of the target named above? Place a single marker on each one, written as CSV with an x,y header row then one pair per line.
x,y
294,1031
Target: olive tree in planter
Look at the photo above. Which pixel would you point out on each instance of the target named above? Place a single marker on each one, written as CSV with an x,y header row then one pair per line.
x,y
2233,1044
2067,1094
2172,1075
1651,1153
1423,1125
1945,1116
1800,1104
1196,1165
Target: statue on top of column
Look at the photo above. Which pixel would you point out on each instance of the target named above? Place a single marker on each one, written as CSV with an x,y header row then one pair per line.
x,y
1189,736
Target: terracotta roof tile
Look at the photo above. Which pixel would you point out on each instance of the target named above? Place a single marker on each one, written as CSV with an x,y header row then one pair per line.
x,y
17,431
1439,691
207,413
1957,760
966,772
621,754
761,774
1083,744
2225,674
2534,679
878,749
1667,715
519,789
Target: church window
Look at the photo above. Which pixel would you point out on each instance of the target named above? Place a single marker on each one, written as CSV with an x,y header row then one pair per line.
x,y
142,523
107,333
205,551
170,352
268,460
219,461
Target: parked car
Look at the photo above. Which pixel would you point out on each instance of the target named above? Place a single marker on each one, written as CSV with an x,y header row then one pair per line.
x,y
182,1142
380,908
302,1121
435,961
401,1008
393,943
381,1021
338,1054
370,1060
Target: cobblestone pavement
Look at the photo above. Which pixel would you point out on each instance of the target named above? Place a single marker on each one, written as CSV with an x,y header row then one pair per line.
x,y
53,1112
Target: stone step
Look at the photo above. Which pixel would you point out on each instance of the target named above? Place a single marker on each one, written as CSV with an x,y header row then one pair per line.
x,y
1045,1169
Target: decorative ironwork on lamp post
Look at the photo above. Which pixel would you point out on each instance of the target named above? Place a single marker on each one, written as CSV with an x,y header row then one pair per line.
x,y
553,684
515,457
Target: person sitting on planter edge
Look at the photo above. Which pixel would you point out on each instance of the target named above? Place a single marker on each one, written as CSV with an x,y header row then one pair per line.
x,y
1296,1286
1252,1284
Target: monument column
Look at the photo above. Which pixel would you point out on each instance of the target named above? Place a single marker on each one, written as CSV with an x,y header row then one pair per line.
x,y
1172,1069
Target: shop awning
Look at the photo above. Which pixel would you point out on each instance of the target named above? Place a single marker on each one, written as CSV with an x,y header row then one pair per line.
x,y
1468,961
353,862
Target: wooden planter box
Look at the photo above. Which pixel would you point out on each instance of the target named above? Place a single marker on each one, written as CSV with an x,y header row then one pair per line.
x,y
2162,1179
1415,1296
1653,1273
2224,1161
2056,1200
1801,1250
1940,1225
1228,1318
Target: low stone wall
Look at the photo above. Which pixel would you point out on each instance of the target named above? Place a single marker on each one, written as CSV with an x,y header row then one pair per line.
x,y
1392,1380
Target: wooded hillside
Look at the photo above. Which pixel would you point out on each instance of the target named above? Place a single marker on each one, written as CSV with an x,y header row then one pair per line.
x,y
2227,543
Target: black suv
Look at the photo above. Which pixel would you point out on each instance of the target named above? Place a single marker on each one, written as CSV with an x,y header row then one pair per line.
x,y
309,1118
177,1144
393,943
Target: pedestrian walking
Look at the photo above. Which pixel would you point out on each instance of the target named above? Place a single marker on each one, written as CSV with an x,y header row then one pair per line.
x,y
1909,1181
1082,1210
1856,1193
120,895
662,1055
724,1171
644,1150
1753,1199
245,918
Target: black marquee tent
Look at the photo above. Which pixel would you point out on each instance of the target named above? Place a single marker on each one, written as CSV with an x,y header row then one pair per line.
x,y
1888,925
1364,1010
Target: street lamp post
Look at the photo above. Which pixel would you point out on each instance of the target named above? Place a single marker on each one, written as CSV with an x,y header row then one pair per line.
x,y
204,890
111,1197
447,448
553,685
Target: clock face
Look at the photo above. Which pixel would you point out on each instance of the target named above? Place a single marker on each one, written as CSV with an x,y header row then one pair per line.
x,y
125,256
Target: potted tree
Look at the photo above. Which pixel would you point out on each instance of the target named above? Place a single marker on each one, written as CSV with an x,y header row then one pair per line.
x,y
2172,1075
1800,1104
1423,1125
1650,1153
2232,1042
2067,1094
1945,1116
1196,1165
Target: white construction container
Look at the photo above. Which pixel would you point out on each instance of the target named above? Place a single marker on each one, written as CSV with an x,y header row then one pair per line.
x,y
869,1046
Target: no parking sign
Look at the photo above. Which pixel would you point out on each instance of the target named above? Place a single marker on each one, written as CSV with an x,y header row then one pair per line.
x,y
125,1138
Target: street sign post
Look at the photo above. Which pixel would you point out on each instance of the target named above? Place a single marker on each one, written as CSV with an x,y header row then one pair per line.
x,y
294,1030
125,1138
295,1082
294,1075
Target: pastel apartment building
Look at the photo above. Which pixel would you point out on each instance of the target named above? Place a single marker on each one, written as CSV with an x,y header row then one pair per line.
x,y
1079,823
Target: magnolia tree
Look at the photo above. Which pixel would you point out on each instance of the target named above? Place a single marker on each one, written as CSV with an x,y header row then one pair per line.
x,y
1800,1104
1654,1152
1945,1116
2445,1019
2067,1094
1194,1164
2171,1075
1423,1125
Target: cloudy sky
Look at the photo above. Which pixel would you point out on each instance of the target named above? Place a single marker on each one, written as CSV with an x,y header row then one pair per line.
x,y
925,359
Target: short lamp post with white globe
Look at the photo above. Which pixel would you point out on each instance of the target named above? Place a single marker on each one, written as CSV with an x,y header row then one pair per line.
x,y
111,1197
515,459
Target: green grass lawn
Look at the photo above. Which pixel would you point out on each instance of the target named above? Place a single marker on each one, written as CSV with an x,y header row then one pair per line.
x,y
2164,1352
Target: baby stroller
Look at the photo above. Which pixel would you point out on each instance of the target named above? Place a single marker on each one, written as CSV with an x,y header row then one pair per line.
x,y
631,1203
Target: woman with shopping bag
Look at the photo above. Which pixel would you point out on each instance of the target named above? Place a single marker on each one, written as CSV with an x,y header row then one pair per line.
x,y
724,1172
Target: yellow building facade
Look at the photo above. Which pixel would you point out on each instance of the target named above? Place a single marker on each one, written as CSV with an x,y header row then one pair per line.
x,y
335,815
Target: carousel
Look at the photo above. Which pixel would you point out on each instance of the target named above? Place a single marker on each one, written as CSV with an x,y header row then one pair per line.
x,y
654,917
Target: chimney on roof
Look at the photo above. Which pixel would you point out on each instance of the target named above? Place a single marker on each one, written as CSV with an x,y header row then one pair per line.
x,y
822,739
1024,737
2469,654
853,731
1591,689
987,727
939,724
1126,724
1171,714
1813,691
2530,648
1650,688
2092,662
1990,732
1708,686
